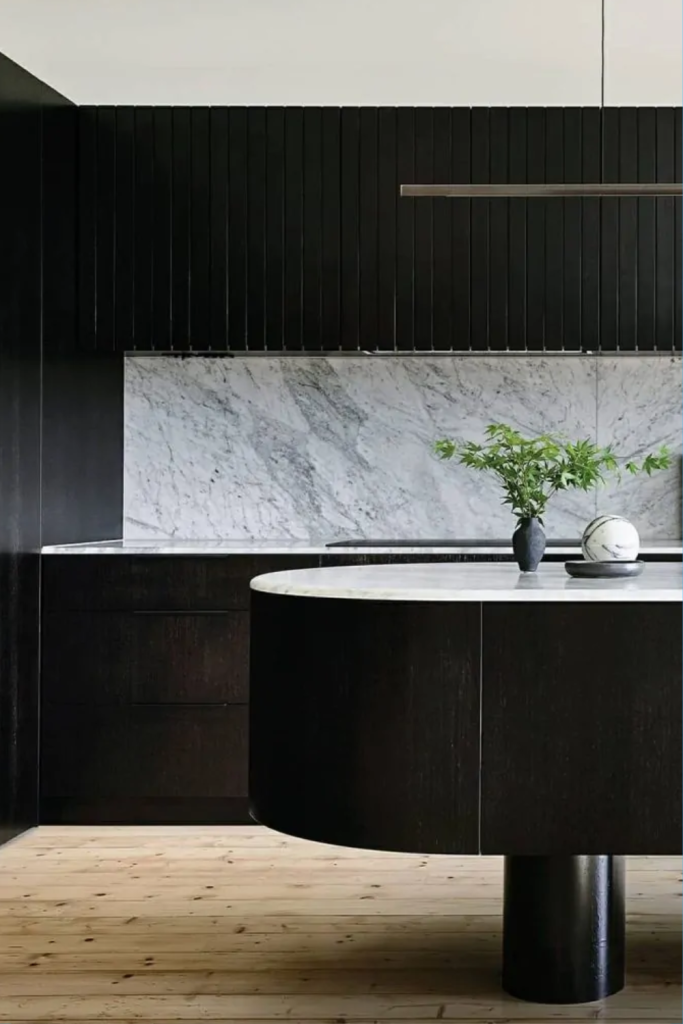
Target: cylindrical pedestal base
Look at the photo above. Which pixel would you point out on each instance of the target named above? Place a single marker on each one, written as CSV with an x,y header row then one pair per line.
x,y
563,928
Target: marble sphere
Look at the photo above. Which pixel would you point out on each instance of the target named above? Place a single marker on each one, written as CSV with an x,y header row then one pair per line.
x,y
610,539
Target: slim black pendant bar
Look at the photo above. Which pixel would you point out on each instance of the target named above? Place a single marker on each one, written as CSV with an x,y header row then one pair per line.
x,y
607,190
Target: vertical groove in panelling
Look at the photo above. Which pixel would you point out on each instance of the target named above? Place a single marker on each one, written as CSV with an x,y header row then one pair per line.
x,y
106,228
517,244
535,251
609,249
571,257
144,229
312,229
678,241
424,242
331,226
162,241
646,234
461,223
554,233
405,231
665,266
590,234
200,222
218,228
627,295
237,219
180,229
275,197
368,227
499,218
124,233
87,229
387,206
442,239
350,313
293,227
256,225
479,282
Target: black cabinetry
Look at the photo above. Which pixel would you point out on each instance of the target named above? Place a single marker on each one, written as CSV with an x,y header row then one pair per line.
x,y
145,686
581,739
515,728
281,229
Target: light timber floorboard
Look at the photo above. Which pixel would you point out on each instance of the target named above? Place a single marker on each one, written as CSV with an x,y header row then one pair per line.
x,y
246,925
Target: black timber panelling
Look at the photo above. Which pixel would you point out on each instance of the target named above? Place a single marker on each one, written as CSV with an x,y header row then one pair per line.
x,y
82,437
24,101
281,229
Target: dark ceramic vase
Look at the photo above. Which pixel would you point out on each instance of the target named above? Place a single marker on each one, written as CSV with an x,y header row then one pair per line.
x,y
528,544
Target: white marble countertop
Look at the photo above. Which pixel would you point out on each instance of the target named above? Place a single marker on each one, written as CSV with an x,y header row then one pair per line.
x,y
496,581
308,547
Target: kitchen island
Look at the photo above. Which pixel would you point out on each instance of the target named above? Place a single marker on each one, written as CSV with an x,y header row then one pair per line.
x,y
471,709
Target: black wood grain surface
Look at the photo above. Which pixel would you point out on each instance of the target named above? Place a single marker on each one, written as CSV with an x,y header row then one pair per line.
x,y
366,717
581,728
156,583
364,722
82,391
23,103
281,229
143,763
148,655
105,658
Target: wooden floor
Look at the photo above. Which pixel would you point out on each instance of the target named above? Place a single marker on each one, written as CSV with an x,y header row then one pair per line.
x,y
242,924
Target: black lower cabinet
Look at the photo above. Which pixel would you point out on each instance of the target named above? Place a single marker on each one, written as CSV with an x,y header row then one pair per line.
x,y
104,658
145,687
144,764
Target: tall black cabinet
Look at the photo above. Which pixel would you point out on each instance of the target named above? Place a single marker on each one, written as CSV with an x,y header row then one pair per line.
x,y
25,105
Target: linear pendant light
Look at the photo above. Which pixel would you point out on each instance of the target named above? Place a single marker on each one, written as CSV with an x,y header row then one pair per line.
x,y
564,191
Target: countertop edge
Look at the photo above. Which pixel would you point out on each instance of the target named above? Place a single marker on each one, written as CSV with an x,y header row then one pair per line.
x,y
487,596
218,549
469,583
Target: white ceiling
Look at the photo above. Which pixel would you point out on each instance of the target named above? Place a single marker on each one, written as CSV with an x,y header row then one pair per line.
x,y
324,52
336,52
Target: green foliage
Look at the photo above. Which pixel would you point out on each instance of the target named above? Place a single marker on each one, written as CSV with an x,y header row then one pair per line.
x,y
531,470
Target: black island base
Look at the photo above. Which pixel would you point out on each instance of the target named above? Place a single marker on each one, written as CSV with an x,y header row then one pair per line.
x,y
453,710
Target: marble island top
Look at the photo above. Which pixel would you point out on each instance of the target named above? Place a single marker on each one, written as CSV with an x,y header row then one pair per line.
x,y
311,547
469,582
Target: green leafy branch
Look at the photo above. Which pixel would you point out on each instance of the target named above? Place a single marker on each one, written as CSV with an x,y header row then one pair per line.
x,y
532,470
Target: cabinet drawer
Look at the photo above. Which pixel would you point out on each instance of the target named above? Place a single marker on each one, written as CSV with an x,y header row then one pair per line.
x,y
143,753
104,658
157,582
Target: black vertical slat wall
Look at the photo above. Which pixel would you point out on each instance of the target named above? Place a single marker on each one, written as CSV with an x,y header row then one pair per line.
x,y
281,229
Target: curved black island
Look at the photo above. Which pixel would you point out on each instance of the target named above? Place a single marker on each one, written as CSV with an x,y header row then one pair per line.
x,y
470,709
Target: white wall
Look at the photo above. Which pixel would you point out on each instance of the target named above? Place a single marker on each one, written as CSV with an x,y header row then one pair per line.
x,y
310,52
644,53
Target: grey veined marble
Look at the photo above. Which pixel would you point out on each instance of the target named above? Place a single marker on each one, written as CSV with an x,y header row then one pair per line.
x,y
640,408
317,448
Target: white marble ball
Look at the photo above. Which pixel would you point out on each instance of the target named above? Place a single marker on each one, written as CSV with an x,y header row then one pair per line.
x,y
610,539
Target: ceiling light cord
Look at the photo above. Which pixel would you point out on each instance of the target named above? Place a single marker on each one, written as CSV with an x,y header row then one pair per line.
x,y
602,91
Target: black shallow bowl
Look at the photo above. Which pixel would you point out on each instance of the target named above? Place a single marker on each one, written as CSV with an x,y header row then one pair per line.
x,y
604,570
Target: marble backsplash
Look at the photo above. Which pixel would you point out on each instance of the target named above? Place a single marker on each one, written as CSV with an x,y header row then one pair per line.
x,y
320,448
